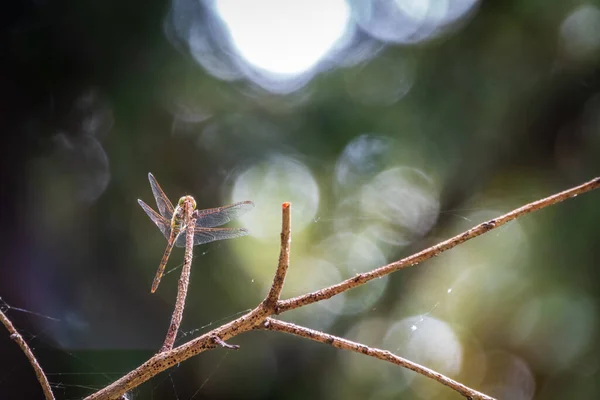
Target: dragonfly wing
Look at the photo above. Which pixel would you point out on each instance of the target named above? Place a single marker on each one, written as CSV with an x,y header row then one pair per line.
x,y
221,215
163,224
162,201
207,235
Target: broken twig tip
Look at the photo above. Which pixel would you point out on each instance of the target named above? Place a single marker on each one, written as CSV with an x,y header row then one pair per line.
x,y
285,205
217,340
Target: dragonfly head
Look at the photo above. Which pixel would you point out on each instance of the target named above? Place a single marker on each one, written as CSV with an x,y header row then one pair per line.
x,y
184,199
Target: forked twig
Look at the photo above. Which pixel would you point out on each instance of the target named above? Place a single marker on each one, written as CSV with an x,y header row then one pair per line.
x,y
39,373
284,257
164,360
341,343
184,281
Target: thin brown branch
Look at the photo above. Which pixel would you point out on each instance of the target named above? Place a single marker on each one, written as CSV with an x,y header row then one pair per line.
x,y
284,257
184,281
340,343
433,251
41,377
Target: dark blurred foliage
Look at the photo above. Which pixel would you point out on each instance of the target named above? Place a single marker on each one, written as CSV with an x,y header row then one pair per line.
x,y
500,110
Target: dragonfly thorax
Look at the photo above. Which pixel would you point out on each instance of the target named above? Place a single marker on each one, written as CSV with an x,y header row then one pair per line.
x,y
178,219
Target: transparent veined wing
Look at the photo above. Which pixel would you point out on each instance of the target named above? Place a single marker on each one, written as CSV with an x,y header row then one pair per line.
x,y
162,201
207,235
212,217
163,224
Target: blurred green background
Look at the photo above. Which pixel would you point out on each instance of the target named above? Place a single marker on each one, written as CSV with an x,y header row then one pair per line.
x,y
389,125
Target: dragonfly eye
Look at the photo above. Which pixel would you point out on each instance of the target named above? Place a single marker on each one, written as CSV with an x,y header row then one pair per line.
x,y
193,203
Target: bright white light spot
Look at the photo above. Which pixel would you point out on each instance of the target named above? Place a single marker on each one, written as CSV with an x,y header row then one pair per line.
x,y
450,290
284,36
413,328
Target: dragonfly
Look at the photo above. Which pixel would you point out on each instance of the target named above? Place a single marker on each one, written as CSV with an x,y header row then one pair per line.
x,y
171,222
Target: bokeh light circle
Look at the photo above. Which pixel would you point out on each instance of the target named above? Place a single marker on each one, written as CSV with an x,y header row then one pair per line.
x,y
580,33
508,377
271,182
409,21
307,275
405,199
427,341
555,329
354,254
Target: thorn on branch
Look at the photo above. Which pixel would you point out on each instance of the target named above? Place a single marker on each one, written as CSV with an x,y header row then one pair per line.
x,y
491,223
220,342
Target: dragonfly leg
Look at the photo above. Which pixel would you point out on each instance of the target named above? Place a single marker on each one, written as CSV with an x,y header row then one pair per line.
x,y
161,267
